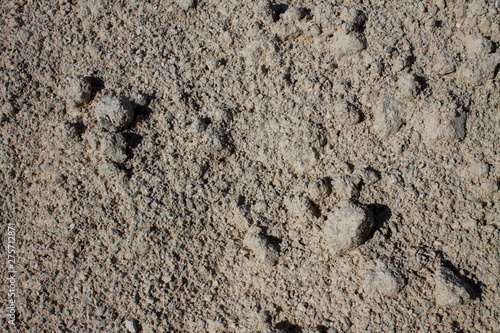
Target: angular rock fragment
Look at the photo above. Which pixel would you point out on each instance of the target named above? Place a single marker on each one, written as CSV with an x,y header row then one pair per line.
x,y
353,16
348,44
368,175
299,155
199,125
347,186
301,151
222,114
383,280
478,71
445,122
109,170
186,4
8,109
347,226
114,147
478,46
287,30
444,66
264,11
294,14
478,171
260,245
408,87
263,51
487,190
389,115
450,289
325,15
131,325
79,90
114,113
318,189
217,144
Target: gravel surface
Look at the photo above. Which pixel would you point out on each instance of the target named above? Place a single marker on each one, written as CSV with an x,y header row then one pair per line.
x,y
250,166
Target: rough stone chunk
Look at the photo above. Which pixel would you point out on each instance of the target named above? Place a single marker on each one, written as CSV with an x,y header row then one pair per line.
x,y
444,66
287,31
294,14
348,44
131,325
218,144
478,171
263,51
199,125
487,190
260,245
301,150
450,289
347,226
478,46
353,16
389,116
186,4
478,71
382,280
79,90
318,189
109,170
325,14
346,113
264,11
8,109
408,87
114,147
114,113
445,122
368,176
347,186
222,114
302,208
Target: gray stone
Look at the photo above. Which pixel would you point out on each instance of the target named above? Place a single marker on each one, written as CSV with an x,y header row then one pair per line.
x,y
263,249
294,14
478,71
114,113
383,280
408,87
186,4
79,90
302,208
347,186
348,44
478,46
444,66
347,226
450,289
389,116
114,147
264,11
131,325
445,121
318,189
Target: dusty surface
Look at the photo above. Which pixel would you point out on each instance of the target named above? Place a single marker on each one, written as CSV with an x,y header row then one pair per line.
x,y
218,166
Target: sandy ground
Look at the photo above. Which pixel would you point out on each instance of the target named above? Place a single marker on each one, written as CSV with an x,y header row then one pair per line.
x,y
248,166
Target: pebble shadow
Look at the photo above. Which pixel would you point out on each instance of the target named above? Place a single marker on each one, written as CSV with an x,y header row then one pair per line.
x,y
381,214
